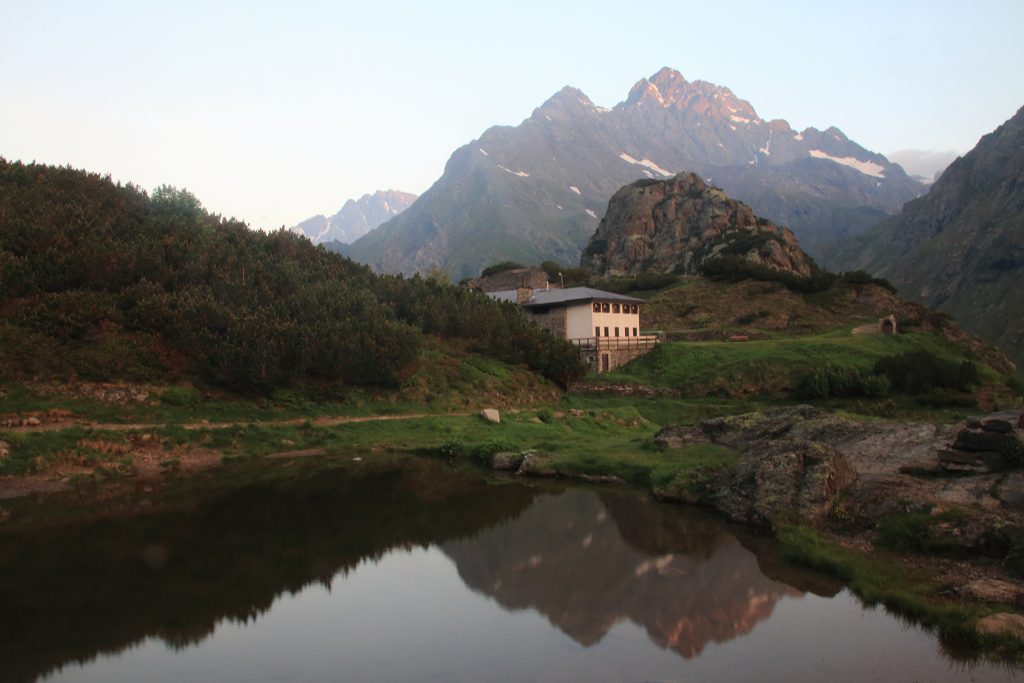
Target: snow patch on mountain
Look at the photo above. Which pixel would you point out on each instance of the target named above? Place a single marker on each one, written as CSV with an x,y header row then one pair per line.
x,y
521,174
646,163
869,168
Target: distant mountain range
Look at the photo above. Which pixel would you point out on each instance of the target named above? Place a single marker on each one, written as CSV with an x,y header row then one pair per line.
x,y
356,218
538,190
923,165
961,247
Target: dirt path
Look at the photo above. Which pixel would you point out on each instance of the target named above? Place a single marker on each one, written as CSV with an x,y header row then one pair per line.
x,y
149,456
63,422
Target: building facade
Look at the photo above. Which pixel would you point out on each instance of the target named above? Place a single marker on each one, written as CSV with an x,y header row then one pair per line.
x,y
605,326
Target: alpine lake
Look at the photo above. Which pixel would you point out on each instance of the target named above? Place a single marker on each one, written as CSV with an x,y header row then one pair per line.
x,y
412,569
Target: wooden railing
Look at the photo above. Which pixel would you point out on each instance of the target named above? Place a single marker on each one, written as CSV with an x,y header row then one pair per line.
x,y
641,343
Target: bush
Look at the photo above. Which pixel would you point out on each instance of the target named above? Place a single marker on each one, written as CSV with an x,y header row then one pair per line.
x,y
835,380
485,451
860,277
501,268
181,397
643,282
732,268
920,372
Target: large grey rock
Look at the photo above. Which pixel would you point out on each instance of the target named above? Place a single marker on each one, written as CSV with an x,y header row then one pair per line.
x,y
677,436
506,460
802,478
491,415
766,425
536,465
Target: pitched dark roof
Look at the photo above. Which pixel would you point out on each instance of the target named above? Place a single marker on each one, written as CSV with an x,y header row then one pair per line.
x,y
551,297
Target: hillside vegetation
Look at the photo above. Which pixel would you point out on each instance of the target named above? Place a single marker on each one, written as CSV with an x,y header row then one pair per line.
x,y
756,338
101,281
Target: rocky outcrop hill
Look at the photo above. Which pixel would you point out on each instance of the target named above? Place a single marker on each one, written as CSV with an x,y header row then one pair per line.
x,y
961,248
677,225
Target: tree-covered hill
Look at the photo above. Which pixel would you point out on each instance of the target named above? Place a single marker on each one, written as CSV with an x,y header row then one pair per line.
x,y
101,281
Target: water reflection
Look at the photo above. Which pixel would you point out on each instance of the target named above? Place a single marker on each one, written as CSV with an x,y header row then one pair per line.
x,y
419,572
79,590
587,562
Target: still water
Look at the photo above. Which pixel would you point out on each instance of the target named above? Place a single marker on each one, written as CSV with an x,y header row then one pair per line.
x,y
420,572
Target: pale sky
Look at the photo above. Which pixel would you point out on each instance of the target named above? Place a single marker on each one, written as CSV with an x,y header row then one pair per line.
x,y
272,112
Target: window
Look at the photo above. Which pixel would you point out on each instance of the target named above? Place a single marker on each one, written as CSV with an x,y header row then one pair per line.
x,y
634,309
597,330
634,332
615,308
597,307
616,332
627,332
604,307
606,330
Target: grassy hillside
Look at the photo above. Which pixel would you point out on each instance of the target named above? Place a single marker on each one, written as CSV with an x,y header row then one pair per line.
x,y
762,340
101,281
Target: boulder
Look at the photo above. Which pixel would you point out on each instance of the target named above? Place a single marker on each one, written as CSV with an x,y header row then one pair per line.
x,y
997,425
1002,624
491,415
801,478
506,460
1010,491
5,449
983,440
677,436
536,465
953,460
765,425
993,590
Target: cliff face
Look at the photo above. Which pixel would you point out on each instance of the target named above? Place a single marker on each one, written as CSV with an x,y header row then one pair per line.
x,y
676,225
960,248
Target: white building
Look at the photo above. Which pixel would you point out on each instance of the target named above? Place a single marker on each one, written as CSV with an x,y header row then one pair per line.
x,y
604,325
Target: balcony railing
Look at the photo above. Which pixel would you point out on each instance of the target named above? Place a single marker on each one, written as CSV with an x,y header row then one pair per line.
x,y
641,343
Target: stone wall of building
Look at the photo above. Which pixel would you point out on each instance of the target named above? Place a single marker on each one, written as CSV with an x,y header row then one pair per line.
x,y
616,358
553,321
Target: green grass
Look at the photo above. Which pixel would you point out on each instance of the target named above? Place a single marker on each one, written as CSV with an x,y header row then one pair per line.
x,y
775,362
771,371
906,591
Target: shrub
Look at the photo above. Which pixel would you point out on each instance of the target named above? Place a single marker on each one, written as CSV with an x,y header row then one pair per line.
x,y
452,449
834,380
485,451
181,397
924,371
732,268
500,268
643,282
860,277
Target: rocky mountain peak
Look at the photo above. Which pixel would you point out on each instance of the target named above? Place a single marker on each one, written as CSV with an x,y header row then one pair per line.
x,y
567,102
677,225
356,217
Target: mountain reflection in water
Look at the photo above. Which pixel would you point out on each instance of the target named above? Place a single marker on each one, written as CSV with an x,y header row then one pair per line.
x,y
587,562
348,575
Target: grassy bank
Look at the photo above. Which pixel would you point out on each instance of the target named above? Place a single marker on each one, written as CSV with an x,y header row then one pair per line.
x,y
881,578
